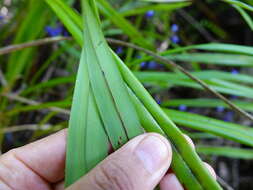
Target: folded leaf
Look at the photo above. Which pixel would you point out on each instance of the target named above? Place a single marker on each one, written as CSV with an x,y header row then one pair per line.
x,y
102,114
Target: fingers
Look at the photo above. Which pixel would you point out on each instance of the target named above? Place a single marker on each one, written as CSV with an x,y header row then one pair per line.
x,y
59,186
140,164
170,181
189,141
36,164
211,170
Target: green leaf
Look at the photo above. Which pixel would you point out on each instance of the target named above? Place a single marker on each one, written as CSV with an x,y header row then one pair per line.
x,y
151,76
231,152
207,103
245,16
165,1
76,166
215,47
140,9
231,131
214,58
100,99
165,80
219,47
104,74
240,4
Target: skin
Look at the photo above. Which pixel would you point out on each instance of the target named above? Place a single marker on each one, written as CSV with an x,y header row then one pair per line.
x,y
140,164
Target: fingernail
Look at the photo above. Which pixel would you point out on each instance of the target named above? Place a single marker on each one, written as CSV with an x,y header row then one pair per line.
x,y
152,152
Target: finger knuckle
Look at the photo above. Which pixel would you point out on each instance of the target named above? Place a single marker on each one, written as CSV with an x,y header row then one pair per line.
x,y
113,176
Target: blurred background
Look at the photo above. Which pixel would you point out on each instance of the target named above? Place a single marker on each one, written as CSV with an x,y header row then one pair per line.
x,y
210,38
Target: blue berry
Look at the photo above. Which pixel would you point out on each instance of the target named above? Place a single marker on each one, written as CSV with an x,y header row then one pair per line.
x,y
158,101
229,116
234,72
220,109
152,65
119,50
233,97
175,39
54,31
150,14
174,28
143,65
182,107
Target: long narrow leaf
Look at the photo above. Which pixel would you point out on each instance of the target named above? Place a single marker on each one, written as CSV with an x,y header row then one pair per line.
x,y
238,133
207,103
230,152
100,99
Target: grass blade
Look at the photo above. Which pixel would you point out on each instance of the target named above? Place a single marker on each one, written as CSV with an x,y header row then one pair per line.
x,y
157,7
235,132
231,152
207,103
240,4
245,16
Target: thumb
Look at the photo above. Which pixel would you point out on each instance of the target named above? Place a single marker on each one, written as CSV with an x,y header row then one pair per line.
x,y
140,164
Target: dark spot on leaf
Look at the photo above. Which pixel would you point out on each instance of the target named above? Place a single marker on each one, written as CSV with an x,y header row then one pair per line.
x,y
110,148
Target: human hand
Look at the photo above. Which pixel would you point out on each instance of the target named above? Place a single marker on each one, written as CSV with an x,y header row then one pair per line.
x,y
140,164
